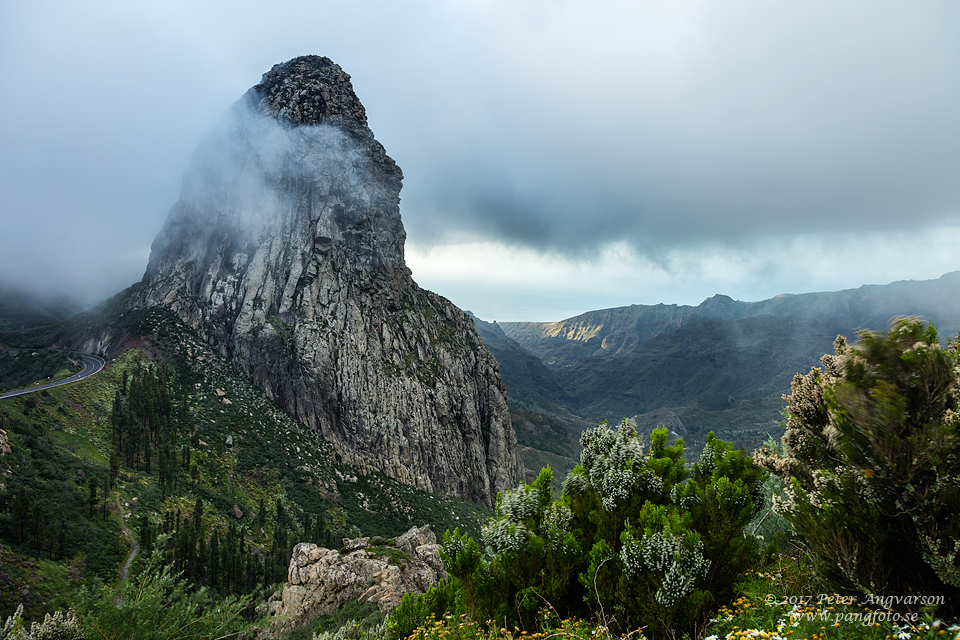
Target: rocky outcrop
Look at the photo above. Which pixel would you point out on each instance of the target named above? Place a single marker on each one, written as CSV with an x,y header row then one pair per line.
x,y
285,251
320,581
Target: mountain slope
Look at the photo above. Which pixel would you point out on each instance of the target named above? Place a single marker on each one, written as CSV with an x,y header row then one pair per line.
x,y
532,385
285,251
722,365
619,331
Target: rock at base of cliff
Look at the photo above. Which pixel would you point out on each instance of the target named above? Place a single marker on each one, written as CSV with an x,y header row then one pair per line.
x,y
320,581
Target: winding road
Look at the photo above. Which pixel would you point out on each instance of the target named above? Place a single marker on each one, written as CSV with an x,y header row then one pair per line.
x,y
91,365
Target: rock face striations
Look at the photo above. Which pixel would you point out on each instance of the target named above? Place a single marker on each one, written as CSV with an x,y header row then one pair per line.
x,y
285,250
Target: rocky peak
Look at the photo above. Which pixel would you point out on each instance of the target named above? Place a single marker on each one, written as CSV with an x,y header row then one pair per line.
x,y
308,90
285,251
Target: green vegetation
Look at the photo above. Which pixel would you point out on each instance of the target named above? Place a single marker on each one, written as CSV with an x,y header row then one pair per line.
x,y
782,601
355,620
636,538
872,463
417,609
18,370
145,443
156,605
639,545
854,536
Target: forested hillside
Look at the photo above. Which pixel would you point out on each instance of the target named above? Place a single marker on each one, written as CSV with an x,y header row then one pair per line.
x,y
173,447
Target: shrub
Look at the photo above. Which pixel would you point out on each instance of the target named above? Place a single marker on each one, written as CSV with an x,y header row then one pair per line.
x,y
771,528
56,626
871,464
155,605
637,539
417,609
353,621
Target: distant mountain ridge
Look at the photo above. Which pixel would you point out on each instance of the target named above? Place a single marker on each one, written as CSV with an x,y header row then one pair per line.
x,y
722,365
618,331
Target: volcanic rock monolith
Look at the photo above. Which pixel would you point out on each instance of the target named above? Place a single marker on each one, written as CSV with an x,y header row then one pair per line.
x,y
285,251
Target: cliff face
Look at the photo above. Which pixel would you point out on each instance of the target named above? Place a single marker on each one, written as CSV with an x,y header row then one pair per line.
x,y
285,250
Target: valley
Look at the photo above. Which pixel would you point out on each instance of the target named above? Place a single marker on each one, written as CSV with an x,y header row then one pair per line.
x,y
722,366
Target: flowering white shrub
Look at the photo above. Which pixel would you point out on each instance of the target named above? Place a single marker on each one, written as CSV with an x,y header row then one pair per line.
x,y
871,462
632,527
56,626
614,464
504,536
519,505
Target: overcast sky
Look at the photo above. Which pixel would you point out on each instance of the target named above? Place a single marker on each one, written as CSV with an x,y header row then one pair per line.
x,y
558,156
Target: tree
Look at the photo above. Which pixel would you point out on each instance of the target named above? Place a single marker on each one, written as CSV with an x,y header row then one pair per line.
x,y
93,484
871,464
19,510
155,605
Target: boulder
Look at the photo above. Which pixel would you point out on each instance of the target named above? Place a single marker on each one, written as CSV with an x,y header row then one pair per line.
x,y
320,581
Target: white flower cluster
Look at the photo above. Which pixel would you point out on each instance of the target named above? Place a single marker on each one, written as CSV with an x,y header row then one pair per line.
x,y
556,524
613,486
58,625
503,536
575,483
823,479
945,565
453,546
684,502
615,464
707,462
665,553
557,516
519,505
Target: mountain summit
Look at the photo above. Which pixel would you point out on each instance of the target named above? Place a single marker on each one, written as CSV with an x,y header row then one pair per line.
x,y
285,251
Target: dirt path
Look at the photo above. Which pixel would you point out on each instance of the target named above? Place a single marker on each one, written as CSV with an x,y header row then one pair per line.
x,y
134,546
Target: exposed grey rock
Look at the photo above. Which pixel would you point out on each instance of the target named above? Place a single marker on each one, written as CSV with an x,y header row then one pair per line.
x,y
416,537
285,251
353,544
320,581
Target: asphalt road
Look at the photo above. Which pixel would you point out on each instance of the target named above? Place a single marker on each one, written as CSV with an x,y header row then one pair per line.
x,y
91,365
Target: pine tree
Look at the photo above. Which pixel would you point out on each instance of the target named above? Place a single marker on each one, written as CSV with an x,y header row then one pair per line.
x,y
214,573
93,484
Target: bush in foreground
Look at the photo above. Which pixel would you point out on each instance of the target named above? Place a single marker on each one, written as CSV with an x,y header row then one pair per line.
x,y
155,605
871,465
637,540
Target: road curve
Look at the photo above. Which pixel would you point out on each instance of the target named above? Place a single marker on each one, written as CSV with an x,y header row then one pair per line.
x,y
91,365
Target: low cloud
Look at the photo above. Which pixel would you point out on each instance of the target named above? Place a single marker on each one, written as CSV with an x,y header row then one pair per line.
x,y
483,276
671,130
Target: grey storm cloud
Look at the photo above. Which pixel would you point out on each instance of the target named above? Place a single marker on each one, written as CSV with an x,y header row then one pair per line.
x,y
548,124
